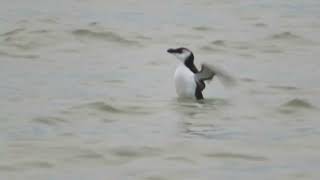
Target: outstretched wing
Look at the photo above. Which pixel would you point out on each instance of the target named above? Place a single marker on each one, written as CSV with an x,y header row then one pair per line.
x,y
207,72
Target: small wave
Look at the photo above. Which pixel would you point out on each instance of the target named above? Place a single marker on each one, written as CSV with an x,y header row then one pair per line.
x,y
143,37
40,31
114,81
217,102
260,25
188,36
105,107
289,88
93,23
298,103
49,20
181,159
270,48
249,80
103,35
49,120
8,168
285,36
238,45
131,152
211,49
13,32
37,164
201,28
26,56
272,51
90,154
219,42
30,40
156,177
226,155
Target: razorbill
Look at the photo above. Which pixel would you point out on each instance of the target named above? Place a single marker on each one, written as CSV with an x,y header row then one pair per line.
x,y
189,81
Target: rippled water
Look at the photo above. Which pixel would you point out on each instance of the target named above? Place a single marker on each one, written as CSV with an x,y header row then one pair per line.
x,y
87,93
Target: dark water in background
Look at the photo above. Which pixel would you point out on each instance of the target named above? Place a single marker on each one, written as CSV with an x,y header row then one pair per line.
x,y
87,93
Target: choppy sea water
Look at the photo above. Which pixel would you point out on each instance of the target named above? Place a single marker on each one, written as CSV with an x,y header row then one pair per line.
x,y
87,91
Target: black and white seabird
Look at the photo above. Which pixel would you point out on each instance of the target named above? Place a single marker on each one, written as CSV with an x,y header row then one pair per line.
x,y
189,81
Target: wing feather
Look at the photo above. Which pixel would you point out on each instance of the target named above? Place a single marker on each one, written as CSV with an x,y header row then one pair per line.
x,y
207,72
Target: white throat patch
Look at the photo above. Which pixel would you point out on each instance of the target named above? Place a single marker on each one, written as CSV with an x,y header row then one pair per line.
x,y
183,56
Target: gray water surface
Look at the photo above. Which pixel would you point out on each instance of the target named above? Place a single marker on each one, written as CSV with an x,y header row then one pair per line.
x,y
87,90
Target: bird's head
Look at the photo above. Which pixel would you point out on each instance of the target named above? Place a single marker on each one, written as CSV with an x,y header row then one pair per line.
x,y
183,54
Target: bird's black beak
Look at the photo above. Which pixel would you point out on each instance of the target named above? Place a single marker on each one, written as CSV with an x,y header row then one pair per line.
x,y
171,51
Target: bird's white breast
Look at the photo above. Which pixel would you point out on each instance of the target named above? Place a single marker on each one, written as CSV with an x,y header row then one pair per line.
x,y
184,82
